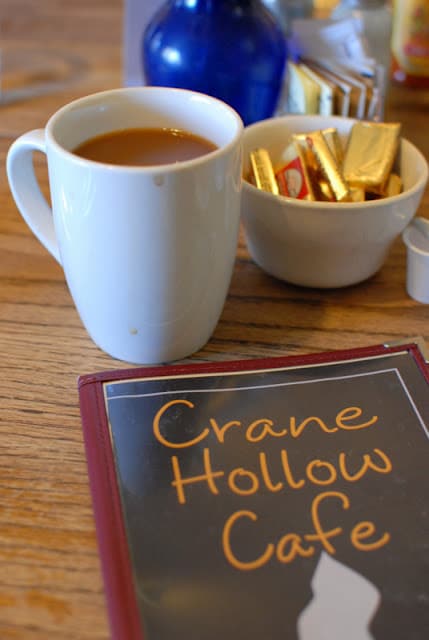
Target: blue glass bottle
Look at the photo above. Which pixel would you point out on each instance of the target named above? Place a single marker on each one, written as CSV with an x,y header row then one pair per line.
x,y
231,49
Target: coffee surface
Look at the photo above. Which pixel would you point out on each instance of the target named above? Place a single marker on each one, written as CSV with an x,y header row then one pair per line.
x,y
144,147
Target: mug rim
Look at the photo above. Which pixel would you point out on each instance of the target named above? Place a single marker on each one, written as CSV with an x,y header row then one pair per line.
x,y
131,168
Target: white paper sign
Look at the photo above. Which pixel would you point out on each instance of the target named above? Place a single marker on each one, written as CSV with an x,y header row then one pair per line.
x,y
137,14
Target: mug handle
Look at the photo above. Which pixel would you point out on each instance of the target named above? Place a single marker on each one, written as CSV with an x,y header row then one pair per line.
x,y
26,191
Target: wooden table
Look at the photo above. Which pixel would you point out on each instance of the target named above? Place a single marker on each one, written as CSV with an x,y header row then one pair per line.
x,y
50,581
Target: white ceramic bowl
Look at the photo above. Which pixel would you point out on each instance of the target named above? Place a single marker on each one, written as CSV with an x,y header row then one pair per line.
x,y
323,244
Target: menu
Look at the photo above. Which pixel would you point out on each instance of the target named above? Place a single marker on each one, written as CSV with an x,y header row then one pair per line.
x,y
267,498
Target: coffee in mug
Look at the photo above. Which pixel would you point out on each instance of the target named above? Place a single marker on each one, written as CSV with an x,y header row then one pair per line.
x,y
144,147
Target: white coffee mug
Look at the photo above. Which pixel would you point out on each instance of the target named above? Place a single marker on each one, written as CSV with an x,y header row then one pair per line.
x,y
147,252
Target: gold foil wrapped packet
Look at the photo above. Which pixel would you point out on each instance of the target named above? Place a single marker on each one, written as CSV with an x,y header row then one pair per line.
x,y
318,166
262,171
371,152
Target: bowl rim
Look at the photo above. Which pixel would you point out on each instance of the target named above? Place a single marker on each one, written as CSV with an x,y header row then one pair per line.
x,y
310,204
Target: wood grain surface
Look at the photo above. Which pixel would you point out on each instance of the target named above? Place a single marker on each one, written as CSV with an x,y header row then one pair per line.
x,y
50,580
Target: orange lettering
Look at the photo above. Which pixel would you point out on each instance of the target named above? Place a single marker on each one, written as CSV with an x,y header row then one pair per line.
x,y
350,413
220,431
295,541
296,430
367,464
320,534
157,427
266,430
294,484
364,530
321,464
226,544
254,482
208,477
266,475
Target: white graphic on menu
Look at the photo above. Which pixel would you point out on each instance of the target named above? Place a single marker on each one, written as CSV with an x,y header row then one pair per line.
x,y
343,604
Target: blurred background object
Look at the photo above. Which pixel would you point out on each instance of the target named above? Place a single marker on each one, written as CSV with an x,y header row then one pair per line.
x,y
330,71
234,50
287,10
374,21
137,15
410,43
